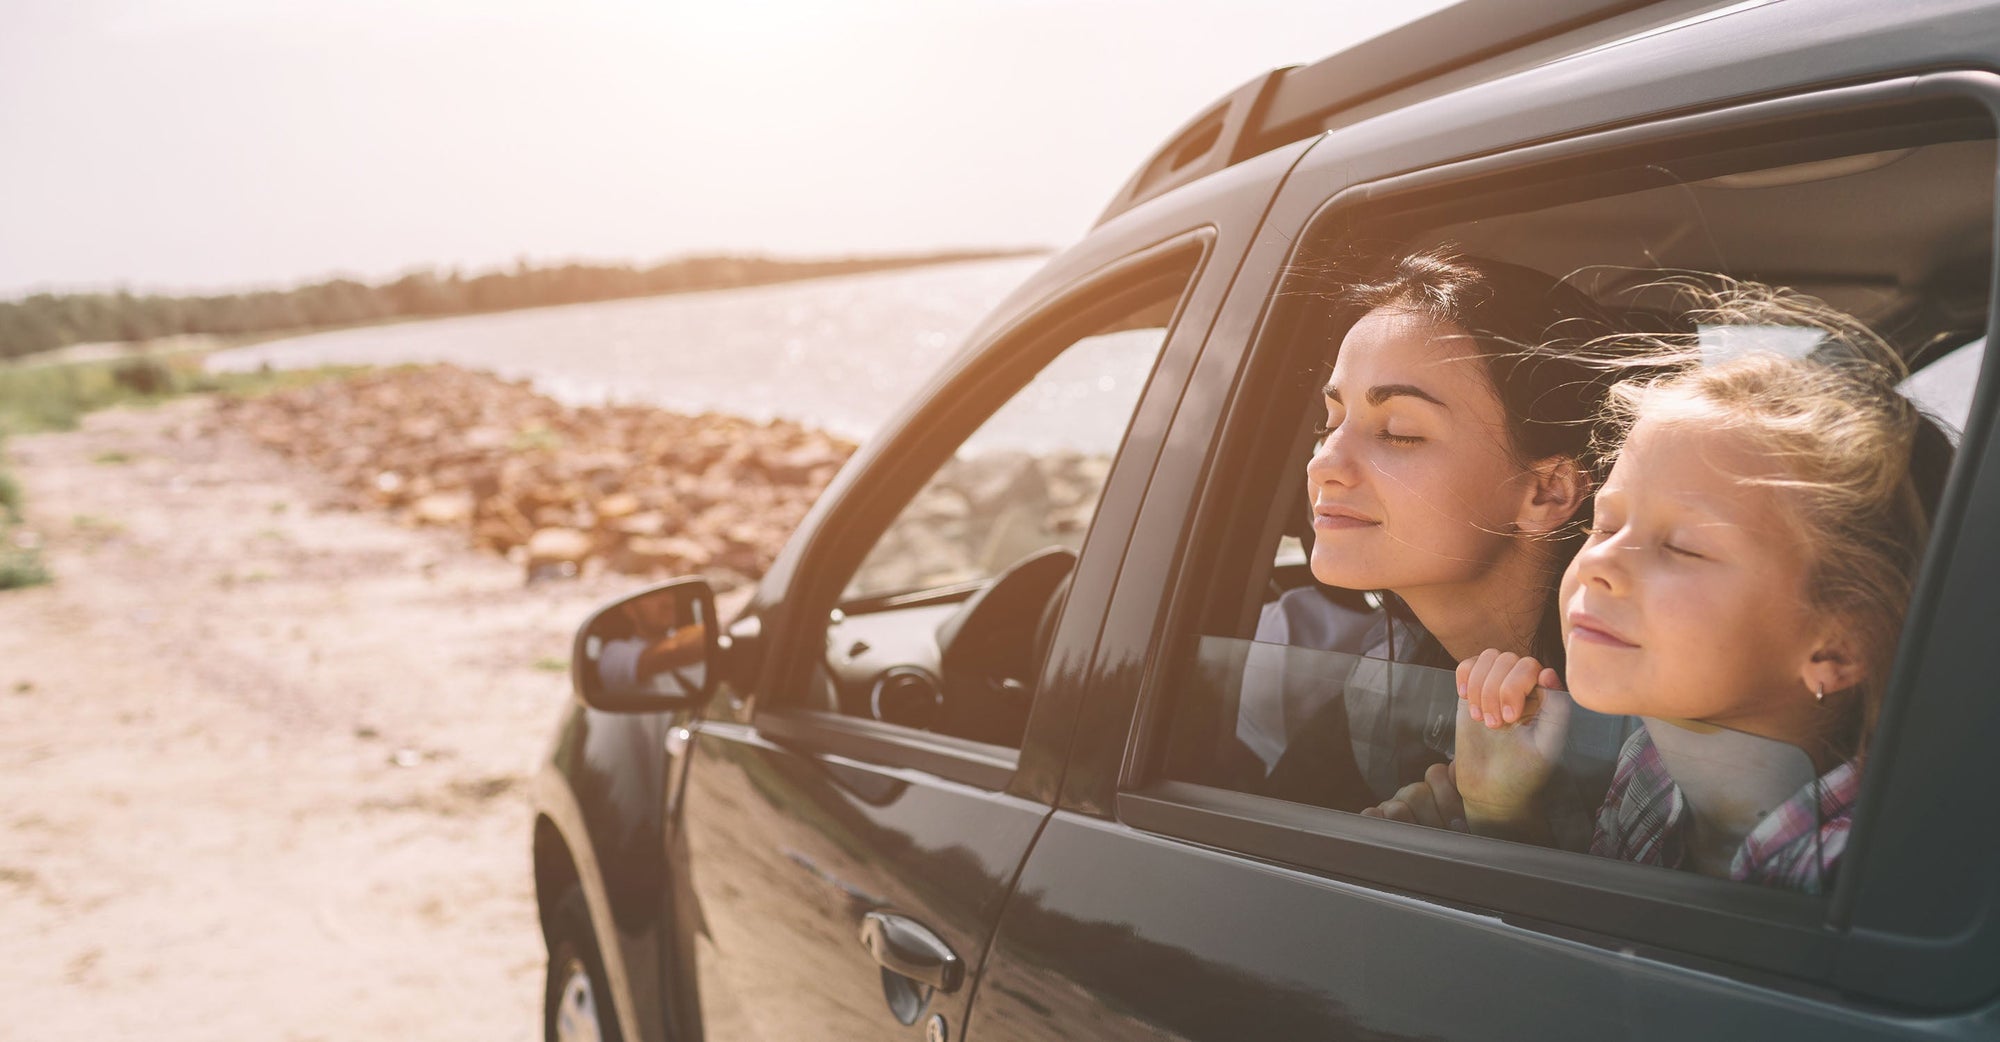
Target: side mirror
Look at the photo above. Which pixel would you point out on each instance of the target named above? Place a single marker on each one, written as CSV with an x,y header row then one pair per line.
x,y
654,651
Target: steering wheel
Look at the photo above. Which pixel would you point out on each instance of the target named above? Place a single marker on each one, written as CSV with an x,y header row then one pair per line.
x,y
991,647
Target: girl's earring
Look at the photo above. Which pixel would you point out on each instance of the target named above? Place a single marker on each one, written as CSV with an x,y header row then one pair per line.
x,y
1819,692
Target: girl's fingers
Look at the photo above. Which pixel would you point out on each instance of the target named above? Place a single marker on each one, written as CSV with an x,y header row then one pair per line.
x,y
1550,680
1475,687
1493,692
1515,688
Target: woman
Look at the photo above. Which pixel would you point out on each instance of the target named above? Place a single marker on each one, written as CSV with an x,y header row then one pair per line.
x,y
1453,473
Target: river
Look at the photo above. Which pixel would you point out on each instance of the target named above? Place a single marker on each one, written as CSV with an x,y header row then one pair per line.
x,y
841,353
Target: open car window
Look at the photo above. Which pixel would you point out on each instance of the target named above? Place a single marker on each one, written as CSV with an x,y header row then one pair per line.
x,y
1325,704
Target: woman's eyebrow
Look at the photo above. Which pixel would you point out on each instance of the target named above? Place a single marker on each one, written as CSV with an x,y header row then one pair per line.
x,y
1383,392
1378,395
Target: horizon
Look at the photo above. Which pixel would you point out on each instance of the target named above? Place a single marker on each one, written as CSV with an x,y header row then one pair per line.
x,y
923,258
202,147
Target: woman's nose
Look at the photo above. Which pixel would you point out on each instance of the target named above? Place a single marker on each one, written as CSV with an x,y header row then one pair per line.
x,y
1332,462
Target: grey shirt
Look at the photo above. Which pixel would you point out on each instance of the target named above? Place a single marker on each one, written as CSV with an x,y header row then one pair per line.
x,y
1310,652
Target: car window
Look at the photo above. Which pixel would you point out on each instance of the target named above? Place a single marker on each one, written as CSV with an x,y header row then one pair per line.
x,y
944,624
1944,387
1293,686
1028,478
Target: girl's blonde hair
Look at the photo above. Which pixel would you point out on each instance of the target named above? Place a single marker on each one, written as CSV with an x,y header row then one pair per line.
x,y
1860,465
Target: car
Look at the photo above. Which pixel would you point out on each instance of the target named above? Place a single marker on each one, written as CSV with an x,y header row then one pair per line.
x,y
952,769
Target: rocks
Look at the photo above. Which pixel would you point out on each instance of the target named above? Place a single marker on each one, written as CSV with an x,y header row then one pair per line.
x,y
637,489
443,509
559,545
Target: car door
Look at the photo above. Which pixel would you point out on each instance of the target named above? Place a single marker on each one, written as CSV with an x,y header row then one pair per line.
x,y
1168,899
858,798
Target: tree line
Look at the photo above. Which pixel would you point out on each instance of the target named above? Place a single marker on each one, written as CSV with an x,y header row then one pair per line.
x,y
46,321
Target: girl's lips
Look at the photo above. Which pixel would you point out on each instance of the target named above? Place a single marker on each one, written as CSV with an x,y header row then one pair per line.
x,y
1587,627
1340,517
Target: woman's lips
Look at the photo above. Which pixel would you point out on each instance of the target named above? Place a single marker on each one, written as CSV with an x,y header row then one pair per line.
x,y
1586,627
1332,518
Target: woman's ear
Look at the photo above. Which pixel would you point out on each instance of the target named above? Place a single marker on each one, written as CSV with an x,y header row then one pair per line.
x,y
1556,490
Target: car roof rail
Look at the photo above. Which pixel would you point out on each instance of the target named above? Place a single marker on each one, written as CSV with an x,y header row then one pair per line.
x,y
1294,103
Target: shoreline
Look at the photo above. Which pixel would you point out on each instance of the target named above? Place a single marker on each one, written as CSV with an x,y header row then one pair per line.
x,y
204,341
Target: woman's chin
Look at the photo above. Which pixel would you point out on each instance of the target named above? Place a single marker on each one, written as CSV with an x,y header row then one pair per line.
x,y
1332,574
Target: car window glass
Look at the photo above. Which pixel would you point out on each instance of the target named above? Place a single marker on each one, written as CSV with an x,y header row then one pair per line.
x,y
945,622
1028,478
1944,387
1297,690
1348,732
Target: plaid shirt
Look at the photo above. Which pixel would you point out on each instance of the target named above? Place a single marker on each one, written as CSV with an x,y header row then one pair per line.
x,y
1796,846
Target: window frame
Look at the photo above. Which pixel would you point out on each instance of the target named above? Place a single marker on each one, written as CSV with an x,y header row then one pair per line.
x,y
951,409
1784,940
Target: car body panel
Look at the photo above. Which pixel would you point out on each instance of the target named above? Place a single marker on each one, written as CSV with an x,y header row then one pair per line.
x,y
1216,946
599,791
787,851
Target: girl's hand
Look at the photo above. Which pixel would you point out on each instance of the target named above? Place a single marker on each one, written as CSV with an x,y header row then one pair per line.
x,y
1502,768
1498,687
1433,801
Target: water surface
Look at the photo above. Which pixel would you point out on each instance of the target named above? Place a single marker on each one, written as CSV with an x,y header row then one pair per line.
x,y
841,353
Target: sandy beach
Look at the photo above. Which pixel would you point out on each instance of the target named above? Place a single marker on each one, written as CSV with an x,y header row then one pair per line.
x,y
264,756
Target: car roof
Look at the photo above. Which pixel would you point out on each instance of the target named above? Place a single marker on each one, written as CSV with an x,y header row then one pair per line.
x,y
1446,50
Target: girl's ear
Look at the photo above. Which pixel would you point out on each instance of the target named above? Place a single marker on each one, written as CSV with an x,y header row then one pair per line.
x,y
1557,488
1832,666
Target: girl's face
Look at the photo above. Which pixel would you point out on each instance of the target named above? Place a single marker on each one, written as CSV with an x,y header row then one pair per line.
x,y
1414,484
1689,598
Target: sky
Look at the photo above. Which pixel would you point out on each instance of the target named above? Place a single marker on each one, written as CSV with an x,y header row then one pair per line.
x,y
213,145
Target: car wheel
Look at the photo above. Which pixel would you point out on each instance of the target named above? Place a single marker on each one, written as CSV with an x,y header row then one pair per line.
x,y
576,1007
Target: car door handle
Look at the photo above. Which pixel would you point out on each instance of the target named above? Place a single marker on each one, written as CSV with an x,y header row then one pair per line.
x,y
906,947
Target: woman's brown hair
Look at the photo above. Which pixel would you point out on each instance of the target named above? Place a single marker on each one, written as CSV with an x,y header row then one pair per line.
x,y
1540,340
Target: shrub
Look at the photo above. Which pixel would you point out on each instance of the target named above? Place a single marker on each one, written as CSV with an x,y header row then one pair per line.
x,y
20,566
143,376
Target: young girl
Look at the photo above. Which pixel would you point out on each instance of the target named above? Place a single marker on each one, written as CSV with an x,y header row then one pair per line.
x,y
1745,578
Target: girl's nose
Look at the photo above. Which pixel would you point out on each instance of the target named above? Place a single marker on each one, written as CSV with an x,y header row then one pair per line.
x,y
1602,564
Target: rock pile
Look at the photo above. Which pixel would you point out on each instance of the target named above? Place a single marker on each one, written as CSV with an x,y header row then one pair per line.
x,y
558,489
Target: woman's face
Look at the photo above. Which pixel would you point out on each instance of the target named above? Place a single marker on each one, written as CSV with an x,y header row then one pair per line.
x,y
1414,484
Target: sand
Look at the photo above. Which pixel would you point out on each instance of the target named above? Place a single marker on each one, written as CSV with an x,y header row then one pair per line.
x,y
264,760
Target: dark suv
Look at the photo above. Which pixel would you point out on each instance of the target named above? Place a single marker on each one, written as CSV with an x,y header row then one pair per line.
x,y
957,768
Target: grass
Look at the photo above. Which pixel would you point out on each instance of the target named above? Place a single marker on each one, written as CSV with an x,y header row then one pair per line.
x,y
20,560
21,567
46,397
49,396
